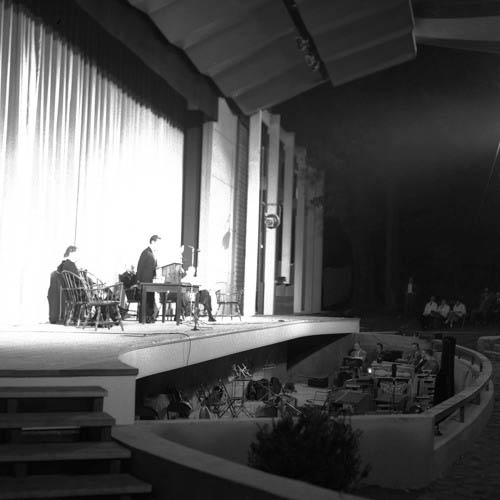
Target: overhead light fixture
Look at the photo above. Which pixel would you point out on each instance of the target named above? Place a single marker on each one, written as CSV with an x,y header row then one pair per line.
x,y
307,48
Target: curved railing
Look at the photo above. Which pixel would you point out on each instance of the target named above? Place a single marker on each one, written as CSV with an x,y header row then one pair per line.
x,y
469,395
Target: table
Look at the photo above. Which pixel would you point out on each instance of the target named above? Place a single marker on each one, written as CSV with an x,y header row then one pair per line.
x,y
165,288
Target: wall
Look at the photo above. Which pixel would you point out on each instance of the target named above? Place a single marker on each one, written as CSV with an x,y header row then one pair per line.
x,y
218,199
177,472
389,467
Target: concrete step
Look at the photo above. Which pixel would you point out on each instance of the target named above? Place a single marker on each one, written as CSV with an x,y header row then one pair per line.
x,y
58,420
496,347
62,486
57,398
48,452
52,392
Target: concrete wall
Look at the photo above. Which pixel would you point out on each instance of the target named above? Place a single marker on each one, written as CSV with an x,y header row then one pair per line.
x,y
389,467
178,354
178,472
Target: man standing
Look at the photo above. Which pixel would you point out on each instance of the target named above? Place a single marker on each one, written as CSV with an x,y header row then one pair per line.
x,y
409,299
146,272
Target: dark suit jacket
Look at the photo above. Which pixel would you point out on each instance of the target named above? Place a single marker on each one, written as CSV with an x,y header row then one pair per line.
x,y
146,267
68,265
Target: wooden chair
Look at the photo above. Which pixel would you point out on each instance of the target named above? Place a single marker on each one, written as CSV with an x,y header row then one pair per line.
x,y
74,297
89,298
426,383
320,400
228,303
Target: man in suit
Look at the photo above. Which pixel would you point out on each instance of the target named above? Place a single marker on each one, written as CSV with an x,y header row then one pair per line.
x,y
146,272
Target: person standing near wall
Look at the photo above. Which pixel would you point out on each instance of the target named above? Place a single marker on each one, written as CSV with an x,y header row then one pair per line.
x,y
409,299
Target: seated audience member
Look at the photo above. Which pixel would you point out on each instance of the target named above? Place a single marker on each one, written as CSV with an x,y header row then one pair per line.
x,y
428,363
481,314
204,297
429,308
457,313
357,352
415,355
441,315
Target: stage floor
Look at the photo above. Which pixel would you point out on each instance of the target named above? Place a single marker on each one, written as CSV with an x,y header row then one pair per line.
x,y
55,350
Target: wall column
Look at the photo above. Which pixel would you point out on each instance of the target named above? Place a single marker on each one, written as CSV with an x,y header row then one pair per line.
x,y
253,211
298,280
193,143
309,245
206,176
313,267
272,207
286,221
317,270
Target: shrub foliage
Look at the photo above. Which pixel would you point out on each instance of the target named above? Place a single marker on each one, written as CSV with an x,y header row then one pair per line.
x,y
313,448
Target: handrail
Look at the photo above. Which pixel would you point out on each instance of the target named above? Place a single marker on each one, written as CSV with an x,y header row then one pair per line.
x,y
471,394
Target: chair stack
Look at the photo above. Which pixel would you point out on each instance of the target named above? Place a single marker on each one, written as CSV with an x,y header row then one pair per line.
x,y
56,443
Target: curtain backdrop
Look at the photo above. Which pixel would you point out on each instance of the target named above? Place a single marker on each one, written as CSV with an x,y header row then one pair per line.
x,y
82,161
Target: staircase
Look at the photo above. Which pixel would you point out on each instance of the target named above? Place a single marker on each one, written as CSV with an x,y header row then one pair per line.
x,y
55,442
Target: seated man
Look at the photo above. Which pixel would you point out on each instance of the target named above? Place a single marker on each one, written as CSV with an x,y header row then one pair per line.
x,y
204,297
415,355
428,363
378,354
357,352
429,308
456,314
441,315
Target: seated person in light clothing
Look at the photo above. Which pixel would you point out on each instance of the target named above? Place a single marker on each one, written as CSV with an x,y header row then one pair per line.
x,y
357,352
441,315
429,308
457,313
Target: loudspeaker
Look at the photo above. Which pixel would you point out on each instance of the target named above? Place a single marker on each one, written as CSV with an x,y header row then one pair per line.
x,y
445,379
394,368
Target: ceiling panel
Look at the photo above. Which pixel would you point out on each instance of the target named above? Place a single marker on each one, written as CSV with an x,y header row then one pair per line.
x,y
249,47
358,37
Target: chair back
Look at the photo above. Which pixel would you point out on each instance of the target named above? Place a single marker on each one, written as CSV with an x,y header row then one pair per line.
x,y
74,287
229,297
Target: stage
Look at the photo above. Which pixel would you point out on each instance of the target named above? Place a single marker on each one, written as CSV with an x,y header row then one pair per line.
x,y
46,355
